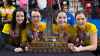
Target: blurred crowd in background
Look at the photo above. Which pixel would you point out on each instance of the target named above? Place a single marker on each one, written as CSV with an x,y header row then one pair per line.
x,y
49,8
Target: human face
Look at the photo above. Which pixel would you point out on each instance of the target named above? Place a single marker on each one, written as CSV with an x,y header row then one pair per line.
x,y
19,17
65,8
80,18
61,18
36,17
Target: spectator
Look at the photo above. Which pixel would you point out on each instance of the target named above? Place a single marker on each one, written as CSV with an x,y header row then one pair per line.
x,y
6,13
70,17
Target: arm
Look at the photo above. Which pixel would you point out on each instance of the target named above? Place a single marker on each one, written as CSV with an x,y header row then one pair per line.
x,y
93,41
92,47
7,20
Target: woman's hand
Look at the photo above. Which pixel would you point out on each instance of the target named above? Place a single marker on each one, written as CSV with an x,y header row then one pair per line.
x,y
73,47
13,34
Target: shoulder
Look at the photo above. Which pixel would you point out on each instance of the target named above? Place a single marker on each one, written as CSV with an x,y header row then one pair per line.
x,y
91,27
1,8
28,25
42,24
55,26
12,7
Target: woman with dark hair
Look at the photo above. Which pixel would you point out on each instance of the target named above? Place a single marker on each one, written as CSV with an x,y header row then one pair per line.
x,y
17,35
15,21
86,35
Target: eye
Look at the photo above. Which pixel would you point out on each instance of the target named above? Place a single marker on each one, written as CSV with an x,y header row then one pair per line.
x,y
17,16
22,15
62,17
35,16
80,18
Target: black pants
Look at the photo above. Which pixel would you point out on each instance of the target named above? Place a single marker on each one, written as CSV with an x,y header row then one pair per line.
x,y
6,42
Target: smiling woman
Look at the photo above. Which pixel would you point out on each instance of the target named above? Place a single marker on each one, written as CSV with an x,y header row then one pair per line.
x,y
19,17
18,36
